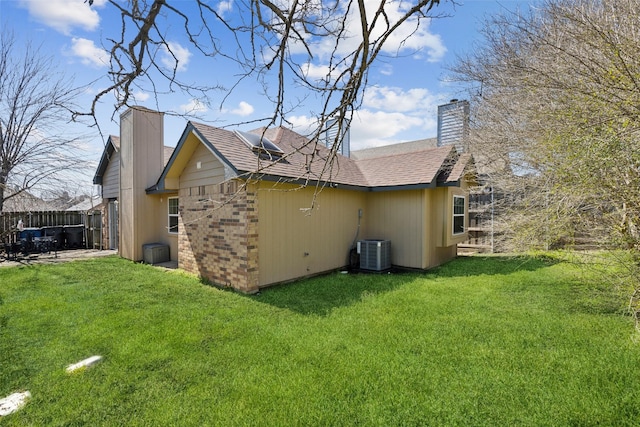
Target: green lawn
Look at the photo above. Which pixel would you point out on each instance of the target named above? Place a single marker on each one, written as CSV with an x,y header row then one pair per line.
x,y
491,341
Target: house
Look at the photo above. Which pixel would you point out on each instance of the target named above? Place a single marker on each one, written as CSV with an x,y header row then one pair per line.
x,y
25,202
252,209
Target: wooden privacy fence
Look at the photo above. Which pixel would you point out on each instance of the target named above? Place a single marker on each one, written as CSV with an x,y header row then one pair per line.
x,y
91,223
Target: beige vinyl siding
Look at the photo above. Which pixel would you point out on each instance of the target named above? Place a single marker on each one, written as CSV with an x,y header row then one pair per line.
x,y
294,242
211,170
441,255
417,222
111,178
450,239
427,235
441,243
141,152
439,222
127,205
398,216
160,222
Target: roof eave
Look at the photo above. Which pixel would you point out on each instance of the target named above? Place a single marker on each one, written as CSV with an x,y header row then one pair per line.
x,y
305,182
449,184
337,185
157,190
108,151
416,186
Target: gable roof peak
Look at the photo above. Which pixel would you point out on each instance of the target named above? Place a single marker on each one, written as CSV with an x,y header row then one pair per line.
x,y
111,146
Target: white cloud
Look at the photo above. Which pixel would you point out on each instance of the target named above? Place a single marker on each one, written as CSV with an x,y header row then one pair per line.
x,y
421,40
194,106
388,115
396,99
89,53
412,35
389,112
369,128
65,15
224,7
140,96
377,128
319,72
303,125
175,56
244,109
313,71
386,70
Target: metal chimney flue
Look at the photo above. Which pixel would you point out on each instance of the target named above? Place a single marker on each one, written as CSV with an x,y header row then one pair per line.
x,y
453,124
338,133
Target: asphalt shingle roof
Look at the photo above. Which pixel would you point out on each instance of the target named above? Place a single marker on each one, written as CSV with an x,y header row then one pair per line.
x,y
419,167
303,159
393,149
306,159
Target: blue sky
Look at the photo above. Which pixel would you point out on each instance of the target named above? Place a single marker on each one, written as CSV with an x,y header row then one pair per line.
x,y
400,103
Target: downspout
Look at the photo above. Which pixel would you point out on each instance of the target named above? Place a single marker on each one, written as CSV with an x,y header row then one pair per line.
x,y
352,260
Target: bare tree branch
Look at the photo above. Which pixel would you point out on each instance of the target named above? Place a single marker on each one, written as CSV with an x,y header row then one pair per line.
x,y
273,43
35,101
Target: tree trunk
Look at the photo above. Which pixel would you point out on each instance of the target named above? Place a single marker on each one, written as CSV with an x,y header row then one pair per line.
x,y
3,186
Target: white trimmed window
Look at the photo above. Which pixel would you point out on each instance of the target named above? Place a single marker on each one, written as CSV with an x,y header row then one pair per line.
x,y
458,214
173,215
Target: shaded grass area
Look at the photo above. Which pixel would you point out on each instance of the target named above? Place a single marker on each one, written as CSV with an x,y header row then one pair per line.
x,y
480,341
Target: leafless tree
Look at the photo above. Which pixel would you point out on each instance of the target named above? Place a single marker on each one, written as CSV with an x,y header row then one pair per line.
x,y
557,97
36,102
271,43
556,111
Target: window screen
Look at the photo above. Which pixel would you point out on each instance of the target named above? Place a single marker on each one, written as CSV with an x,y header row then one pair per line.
x,y
173,214
458,214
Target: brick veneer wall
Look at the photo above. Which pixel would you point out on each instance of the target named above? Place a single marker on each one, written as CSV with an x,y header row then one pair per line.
x,y
218,234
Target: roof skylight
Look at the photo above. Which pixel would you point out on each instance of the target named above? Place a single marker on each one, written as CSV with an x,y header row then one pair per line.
x,y
259,143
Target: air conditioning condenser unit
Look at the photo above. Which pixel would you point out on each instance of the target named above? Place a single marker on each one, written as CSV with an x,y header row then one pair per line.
x,y
375,254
